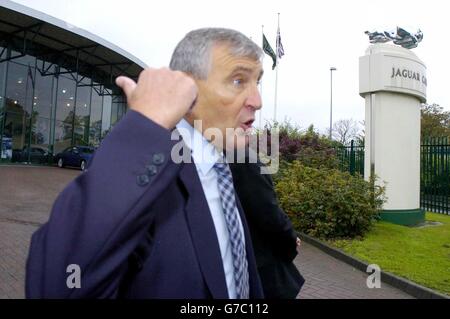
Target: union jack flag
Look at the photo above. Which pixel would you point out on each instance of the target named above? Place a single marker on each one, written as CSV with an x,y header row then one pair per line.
x,y
280,50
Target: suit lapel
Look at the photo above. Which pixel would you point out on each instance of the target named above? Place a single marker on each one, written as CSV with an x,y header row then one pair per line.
x,y
203,233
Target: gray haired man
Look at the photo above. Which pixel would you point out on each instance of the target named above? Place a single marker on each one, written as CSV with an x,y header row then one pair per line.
x,y
140,224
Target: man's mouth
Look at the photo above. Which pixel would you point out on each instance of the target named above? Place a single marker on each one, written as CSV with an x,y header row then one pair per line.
x,y
247,125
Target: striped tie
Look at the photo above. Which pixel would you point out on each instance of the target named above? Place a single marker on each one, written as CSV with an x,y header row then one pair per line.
x,y
230,211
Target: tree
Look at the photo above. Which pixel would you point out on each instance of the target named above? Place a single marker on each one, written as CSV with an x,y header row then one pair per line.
x,y
360,137
435,122
345,130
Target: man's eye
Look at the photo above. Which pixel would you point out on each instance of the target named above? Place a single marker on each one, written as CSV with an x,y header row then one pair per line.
x,y
237,82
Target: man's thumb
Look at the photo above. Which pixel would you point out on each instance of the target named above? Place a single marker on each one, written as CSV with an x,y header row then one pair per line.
x,y
126,84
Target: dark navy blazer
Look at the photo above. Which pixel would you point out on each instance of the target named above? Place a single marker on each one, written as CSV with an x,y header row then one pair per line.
x,y
137,224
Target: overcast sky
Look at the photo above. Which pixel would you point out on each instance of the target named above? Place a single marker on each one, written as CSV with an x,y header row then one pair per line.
x,y
315,35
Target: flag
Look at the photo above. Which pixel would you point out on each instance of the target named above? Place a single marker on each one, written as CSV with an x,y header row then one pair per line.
x,y
269,51
280,50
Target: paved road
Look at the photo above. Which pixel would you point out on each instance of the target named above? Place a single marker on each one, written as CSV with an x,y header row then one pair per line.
x,y
26,197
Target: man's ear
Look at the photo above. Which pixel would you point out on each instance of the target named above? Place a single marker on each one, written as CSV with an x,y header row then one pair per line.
x,y
189,116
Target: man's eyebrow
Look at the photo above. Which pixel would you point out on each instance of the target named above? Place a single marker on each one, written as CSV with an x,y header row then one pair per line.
x,y
246,70
242,69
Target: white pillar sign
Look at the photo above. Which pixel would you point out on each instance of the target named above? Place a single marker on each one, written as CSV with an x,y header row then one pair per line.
x,y
393,82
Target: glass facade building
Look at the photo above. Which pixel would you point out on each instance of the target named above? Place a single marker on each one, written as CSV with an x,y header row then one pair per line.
x,y
56,86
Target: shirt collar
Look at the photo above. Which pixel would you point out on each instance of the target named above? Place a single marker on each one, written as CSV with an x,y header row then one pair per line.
x,y
204,153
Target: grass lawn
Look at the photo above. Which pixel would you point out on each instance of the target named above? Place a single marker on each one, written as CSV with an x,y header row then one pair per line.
x,y
421,255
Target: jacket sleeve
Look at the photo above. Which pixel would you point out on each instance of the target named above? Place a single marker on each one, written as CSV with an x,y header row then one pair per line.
x,y
259,201
100,217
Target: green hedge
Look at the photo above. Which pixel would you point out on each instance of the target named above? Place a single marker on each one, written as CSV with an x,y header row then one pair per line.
x,y
328,203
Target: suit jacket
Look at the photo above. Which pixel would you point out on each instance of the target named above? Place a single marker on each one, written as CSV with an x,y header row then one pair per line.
x,y
136,223
274,239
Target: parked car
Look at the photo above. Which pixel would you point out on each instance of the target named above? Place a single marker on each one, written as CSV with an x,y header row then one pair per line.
x,y
33,154
75,156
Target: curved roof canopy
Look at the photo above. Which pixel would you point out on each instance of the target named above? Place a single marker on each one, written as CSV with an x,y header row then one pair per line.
x,y
30,32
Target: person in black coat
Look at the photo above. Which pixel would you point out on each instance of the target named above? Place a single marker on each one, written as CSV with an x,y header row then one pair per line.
x,y
274,240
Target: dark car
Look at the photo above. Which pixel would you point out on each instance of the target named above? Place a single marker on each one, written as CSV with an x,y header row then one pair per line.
x,y
75,156
33,154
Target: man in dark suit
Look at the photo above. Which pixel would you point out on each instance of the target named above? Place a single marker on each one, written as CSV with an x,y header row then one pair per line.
x,y
274,240
153,216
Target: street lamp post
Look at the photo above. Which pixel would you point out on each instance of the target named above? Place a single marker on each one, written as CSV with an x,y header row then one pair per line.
x,y
331,99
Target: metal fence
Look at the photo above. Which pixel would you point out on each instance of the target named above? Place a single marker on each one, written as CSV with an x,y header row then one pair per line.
x,y
435,175
351,158
434,171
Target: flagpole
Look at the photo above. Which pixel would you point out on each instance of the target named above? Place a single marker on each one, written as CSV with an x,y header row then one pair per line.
x,y
260,83
276,74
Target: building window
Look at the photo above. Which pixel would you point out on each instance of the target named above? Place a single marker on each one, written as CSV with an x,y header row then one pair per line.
x,y
65,100
19,88
83,102
63,136
106,115
42,98
95,126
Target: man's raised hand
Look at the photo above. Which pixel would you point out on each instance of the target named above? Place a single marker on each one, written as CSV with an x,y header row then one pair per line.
x,y
162,95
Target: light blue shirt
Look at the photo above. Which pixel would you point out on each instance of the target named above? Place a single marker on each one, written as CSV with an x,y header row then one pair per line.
x,y
205,155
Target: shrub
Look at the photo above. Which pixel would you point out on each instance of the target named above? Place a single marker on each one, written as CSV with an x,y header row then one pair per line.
x,y
328,203
309,147
317,151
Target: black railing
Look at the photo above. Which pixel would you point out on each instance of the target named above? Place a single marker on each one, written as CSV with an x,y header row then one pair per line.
x,y
434,171
435,175
351,158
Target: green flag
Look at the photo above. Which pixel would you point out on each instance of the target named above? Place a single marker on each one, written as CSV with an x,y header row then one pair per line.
x,y
269,51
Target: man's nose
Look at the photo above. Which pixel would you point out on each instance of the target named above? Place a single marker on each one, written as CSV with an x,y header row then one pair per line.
x,y
254,100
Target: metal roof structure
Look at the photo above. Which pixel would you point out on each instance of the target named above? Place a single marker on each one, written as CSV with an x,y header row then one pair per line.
x,y
55,42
